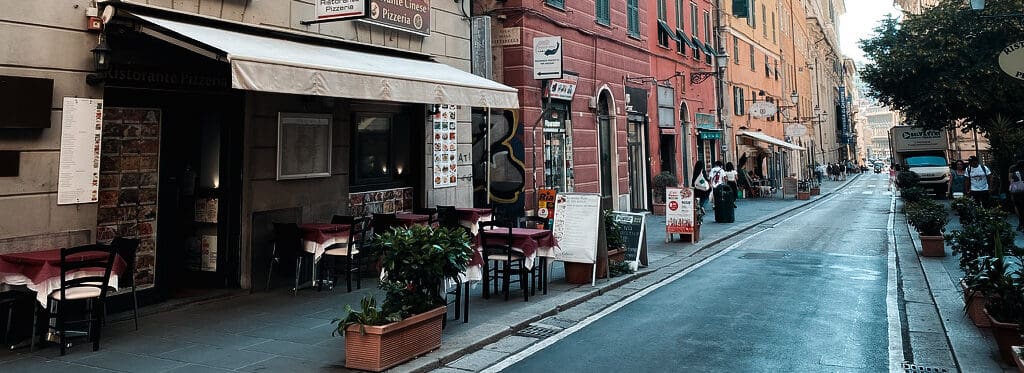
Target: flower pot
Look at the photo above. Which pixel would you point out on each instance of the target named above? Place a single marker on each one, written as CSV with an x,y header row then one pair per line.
x,y
617,255
578,273
975,306
385,346
932,246
815,191
803,196
659,209
1006,335
1017,358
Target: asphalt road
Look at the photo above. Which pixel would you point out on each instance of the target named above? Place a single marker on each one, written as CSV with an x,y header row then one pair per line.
x,y
805,295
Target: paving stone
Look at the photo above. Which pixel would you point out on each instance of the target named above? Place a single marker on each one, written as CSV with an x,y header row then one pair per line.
x,y
195,368
557,322
116,360
216,356
291,365
299,351
478,360
511,344
922,317
36,364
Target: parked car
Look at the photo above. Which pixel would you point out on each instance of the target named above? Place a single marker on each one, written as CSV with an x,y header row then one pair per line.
x,y
878,168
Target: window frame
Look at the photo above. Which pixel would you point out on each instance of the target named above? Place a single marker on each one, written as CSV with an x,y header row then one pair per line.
x,y
633,18
602,12
557,4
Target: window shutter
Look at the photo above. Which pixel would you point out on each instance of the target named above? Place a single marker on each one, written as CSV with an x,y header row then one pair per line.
x,y
602,11
633,14
741,8
560,4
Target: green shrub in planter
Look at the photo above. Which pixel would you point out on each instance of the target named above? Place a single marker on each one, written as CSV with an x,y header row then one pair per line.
x,y
1000,278
907,179
966,208
928,217
978,238
912,194
661,181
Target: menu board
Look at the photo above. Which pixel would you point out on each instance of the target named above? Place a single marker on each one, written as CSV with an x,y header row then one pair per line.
x,y
81,130
631,229
446,171
679,218
576,226
206,210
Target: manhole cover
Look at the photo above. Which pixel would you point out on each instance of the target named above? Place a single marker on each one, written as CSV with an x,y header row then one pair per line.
x,y
914,368
763,256
537,331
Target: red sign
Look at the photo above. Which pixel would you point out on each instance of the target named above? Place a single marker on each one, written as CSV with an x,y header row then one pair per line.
x,y
679,218
546,203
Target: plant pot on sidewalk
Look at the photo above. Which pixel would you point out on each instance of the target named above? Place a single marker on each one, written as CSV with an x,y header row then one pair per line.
x,y
385,346
974,305
1006,336
659,209
578,273
803,196
815,191
932,246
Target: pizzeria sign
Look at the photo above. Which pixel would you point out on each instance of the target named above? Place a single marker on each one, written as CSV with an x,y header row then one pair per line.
x,y
338,10
404,15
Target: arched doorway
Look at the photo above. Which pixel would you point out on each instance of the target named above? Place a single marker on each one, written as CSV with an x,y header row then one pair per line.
x,y
605,133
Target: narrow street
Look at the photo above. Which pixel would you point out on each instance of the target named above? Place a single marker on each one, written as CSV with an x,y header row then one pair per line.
x,y
806,292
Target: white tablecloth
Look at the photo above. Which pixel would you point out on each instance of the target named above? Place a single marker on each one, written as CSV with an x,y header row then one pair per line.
x,y
43,289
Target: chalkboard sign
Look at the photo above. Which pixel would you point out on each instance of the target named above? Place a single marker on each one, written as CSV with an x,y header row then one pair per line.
x,y
632,230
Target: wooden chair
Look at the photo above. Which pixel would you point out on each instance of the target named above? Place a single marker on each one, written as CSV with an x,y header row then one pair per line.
x,y
496,241
8,301
348,250
287,244
74,286
447,217
127,249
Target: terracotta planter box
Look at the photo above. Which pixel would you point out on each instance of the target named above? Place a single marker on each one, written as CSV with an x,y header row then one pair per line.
x,y
659,209
815,191
578,273
1017,351
1006,335
617,255
385,346
932,246
803,196
975,306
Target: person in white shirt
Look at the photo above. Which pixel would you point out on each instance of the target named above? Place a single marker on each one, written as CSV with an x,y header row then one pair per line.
x,y
730,178
717,175
978,179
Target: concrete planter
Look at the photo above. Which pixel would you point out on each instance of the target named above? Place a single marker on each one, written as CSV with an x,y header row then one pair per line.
x,y
1007,336
385,346
932,246
1018,351
974,303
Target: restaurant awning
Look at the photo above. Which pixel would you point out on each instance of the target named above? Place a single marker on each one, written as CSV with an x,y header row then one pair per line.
x,y
667,30
266,64
771,140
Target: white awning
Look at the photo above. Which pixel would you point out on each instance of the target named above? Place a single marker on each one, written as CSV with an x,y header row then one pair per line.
x,y
268,64
771,140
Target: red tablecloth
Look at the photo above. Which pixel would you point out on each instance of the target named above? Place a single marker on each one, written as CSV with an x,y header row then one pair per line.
x,y
472,213
39,266
525,239
320,232
411,219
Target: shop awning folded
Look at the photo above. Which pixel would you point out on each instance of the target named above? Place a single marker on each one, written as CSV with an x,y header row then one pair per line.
x,y
696,42
267,64
682,36
709,49
771,140
667,30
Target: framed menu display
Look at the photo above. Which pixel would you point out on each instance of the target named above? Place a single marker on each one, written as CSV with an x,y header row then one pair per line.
x,y
303,146
81,130
679,213
446,171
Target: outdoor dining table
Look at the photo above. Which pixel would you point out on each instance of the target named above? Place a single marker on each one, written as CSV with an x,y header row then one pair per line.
x,y
39,271
532,243
318,237
470,216
408,220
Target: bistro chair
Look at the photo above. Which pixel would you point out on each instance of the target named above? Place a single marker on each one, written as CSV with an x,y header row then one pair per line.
x,y
429,211
128,250
496,242
8,301
287,244
448,217
74,286
349,250
460,291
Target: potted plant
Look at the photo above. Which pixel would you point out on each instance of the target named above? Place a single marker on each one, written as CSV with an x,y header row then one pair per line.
x,y
930,219
415,261
803,191
661,181
966,209
973,241
1005,299
616,248
1018,357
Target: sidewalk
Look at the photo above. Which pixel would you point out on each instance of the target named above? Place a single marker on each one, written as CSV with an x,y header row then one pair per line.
x,y
275,331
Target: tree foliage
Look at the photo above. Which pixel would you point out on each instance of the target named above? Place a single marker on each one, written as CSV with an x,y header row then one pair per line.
x,y
942,66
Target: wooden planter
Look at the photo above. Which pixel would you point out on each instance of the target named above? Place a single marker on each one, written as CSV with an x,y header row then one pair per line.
x,y
815,191
932,246
803,196
974,303
1017,358
617,255
385,346
578,273
1006,335
659,208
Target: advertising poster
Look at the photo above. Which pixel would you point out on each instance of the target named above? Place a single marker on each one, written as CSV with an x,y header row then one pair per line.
x,y
209,254
546,203
445,147
679,211
81,130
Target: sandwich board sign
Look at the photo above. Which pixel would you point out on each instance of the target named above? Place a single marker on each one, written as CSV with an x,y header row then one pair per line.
x,y
577,218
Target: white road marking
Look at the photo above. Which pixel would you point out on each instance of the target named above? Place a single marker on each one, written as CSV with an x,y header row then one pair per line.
x,y
896,357
868,192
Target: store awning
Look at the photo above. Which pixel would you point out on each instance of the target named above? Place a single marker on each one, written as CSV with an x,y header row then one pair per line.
x,y
667,30
682,36
267,64
771,140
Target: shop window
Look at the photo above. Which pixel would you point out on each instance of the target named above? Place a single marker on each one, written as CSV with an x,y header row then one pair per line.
x,y
380,150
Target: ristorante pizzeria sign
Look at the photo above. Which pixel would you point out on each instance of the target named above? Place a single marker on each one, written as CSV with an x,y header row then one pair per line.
x,y
405,15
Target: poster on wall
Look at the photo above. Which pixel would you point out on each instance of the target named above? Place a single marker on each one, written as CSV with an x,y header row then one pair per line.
x,y
303,146
209,254
679,211
81,131
206,210
546,203
446,171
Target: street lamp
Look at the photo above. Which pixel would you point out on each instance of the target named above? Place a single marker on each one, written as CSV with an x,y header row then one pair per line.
x,y
821,115
721,61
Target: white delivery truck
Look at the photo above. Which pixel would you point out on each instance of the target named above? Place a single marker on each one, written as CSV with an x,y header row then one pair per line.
x,y
924,152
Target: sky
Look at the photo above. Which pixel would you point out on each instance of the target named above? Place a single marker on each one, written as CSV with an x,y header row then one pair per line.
x,y
859,22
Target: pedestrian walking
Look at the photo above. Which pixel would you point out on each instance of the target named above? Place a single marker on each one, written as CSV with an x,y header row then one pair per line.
x,y
717,175
731,178
978,179
701,185
830,170
819,172
1016,178
892,177
959,177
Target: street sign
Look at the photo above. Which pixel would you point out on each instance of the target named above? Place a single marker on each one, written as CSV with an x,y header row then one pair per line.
x,y
1011,60
763,109
796,130
547,57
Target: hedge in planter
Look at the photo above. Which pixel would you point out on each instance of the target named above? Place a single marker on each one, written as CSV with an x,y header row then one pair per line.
x,y
1001,279
930,219
661,181
978,238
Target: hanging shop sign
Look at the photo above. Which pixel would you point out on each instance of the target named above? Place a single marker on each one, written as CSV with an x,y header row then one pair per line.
x,y
636,100
710,135
404,15
79,168
763,109
445,147
796,130
547,57
565,88
705,121
338,10
844,116
679,217
1011,60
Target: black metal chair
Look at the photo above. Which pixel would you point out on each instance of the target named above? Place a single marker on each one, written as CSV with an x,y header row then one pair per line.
x,y
349,250
287,244
127,249
429,211
76,286
447,217
536,222
496,241
8,301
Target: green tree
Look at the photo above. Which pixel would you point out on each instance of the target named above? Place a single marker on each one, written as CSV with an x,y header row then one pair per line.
x,y
941,66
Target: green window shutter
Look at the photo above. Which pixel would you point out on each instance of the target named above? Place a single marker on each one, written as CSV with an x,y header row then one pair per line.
x,y
633,17
602,12
560,4
741,8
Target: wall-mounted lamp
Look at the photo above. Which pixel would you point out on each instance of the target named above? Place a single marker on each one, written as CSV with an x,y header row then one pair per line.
x,y
100,62
721,60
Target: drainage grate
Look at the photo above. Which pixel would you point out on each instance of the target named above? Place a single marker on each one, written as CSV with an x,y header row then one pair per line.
x,y
537,331
764,256
914,368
